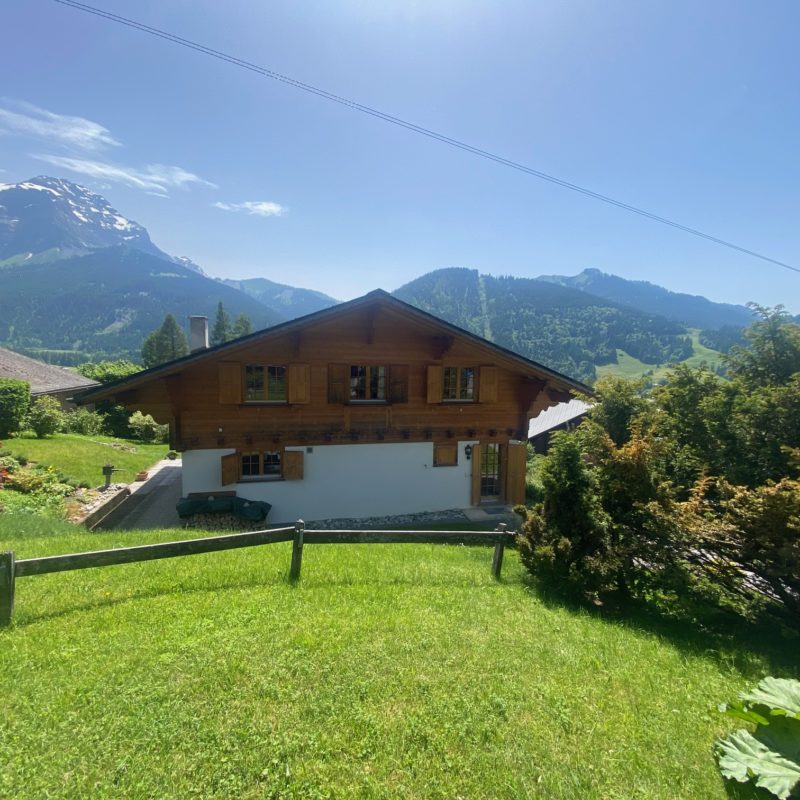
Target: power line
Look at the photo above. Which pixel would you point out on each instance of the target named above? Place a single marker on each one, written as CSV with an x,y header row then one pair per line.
x,y
352,104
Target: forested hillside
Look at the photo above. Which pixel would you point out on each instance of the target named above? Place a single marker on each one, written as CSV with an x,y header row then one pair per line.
x,y
104,304
563,328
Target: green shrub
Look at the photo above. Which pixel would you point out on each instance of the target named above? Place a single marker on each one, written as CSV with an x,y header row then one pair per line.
x,y
15,396
45,417
769,758
83,421
115,420
146,429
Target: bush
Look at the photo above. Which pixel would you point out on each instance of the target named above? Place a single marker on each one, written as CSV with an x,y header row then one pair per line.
x,y
146,429
45,417
83,421
15,396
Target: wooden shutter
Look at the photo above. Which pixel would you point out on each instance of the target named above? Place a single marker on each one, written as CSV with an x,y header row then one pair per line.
x,y
229,469
515,474
476,475
299,389
293,465
337,383
435,383
445,454
487,385
398,383
230,383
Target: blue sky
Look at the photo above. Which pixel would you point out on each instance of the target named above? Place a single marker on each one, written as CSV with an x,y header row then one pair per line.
x,y
687,109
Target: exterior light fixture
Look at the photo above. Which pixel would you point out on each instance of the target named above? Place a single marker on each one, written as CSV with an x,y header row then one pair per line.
x,y
468,451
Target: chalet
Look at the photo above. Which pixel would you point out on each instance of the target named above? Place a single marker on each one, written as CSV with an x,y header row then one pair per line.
x,y
371,407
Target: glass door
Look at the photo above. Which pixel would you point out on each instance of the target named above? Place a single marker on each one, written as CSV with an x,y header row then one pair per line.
x,y
490,472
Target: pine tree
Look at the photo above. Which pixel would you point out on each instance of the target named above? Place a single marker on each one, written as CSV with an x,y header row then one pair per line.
x,y
165,344
241,326
221,332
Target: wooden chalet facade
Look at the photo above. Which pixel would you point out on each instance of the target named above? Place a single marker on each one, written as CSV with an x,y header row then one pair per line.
x,y
371,407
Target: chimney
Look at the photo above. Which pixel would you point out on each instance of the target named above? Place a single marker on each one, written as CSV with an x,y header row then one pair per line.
x,y
198,333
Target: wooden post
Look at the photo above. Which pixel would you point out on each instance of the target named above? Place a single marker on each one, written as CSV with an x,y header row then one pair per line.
x,y
499,548
6,588
297,551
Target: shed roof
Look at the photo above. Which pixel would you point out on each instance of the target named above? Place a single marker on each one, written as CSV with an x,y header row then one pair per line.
x,y
43,378
557,415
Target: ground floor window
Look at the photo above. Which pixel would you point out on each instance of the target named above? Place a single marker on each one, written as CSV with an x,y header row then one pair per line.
x,y
265,464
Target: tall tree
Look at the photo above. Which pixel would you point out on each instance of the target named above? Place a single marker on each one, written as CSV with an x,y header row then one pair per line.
x,y
165,344
242,326
221,332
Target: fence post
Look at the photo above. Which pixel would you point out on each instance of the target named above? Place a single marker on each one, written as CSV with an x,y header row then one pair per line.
x,y
499,548
297,550
6,587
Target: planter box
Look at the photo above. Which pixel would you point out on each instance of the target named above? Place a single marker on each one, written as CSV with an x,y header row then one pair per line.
x,y
142,476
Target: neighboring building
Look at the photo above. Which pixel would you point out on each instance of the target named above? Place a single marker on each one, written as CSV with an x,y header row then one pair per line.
x,y
564,416
43,378
368,408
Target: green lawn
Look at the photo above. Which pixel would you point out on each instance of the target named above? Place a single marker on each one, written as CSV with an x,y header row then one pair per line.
x,y
82,457
394,671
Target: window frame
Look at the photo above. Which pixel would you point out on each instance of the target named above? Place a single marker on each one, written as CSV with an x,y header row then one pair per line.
x,y
261,466
266,384
457,383
377,373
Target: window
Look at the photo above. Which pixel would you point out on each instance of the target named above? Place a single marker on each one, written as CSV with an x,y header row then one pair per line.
x,y
367,383
265,384
458,383
261,465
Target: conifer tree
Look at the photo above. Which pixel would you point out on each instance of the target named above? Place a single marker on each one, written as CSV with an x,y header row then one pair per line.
x,y
165,344
242,326
221,332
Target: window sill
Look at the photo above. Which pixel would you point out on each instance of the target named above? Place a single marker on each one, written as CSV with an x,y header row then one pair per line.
x,y
260,478
368,402
457,402
264,403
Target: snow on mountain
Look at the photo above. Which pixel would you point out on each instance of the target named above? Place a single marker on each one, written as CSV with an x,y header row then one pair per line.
x,y
45,214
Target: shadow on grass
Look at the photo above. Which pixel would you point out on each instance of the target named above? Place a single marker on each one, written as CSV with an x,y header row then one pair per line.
x,y
750,648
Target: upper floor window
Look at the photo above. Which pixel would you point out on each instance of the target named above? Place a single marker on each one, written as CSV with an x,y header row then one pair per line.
x,y
458,383
367,383
265,383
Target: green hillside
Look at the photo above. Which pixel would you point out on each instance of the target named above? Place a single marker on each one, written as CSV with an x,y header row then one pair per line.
x,y
103,305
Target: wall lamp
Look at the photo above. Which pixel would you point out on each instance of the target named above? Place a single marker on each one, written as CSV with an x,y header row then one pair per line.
x,y
468,451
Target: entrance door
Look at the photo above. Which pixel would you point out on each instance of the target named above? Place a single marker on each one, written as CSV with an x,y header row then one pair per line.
x,y
490,472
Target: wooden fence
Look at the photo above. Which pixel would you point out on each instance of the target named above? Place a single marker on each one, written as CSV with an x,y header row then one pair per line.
x,y
11,569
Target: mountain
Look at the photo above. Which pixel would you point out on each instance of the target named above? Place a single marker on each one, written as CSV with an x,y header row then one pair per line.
x,y
45,218
103,305
288,301
561,327
694,311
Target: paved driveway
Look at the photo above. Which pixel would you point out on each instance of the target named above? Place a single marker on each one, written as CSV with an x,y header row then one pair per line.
x,y
152,502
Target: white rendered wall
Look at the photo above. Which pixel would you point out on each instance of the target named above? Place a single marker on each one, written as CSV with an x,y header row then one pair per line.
x,y
356,480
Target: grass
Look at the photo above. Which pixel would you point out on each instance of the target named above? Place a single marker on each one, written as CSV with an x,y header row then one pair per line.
x,y
388,672
630,367
82,457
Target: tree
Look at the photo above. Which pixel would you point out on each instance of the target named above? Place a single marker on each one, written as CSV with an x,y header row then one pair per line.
x,y
108,371
15,397
45,417
221,332
241,326
165,344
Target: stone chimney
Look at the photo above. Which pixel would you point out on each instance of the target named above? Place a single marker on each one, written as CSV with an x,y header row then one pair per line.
x,y
198,333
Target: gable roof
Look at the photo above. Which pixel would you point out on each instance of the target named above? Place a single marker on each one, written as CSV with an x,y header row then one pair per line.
x,y
376,297
43,378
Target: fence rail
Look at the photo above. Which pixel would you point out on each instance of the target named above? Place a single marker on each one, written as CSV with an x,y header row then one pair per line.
x,y
11,569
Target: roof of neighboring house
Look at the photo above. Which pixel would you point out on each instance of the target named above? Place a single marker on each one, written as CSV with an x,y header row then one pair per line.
x,y
557,415
43,378
378,296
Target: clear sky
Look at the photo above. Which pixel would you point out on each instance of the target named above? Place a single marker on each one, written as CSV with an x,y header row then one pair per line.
x,y
688,109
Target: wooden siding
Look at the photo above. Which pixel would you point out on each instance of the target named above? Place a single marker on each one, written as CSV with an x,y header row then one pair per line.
x,y
204,400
